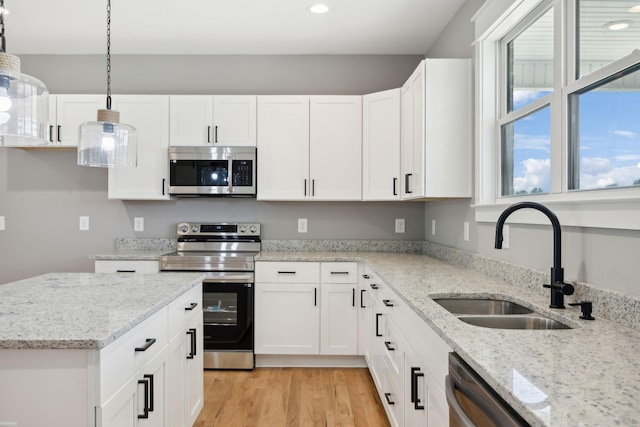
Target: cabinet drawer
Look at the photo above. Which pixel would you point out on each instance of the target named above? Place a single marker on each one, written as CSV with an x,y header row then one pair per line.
x,y
393,397
184,309
125,266
394,349
339,272
288,272
120,360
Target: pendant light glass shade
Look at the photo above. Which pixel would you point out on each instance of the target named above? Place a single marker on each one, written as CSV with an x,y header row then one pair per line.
x,y
24,105
107,143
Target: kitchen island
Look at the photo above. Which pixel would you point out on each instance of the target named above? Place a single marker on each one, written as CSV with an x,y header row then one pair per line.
x,y
72,346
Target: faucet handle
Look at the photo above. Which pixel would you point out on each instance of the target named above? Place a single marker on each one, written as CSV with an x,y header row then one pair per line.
x,y
586,307
565,288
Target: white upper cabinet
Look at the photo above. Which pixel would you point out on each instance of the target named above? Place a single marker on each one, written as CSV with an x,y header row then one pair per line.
x,y
309,148
149,114
213,120
436,130
283,147
68,112
335,153
381,145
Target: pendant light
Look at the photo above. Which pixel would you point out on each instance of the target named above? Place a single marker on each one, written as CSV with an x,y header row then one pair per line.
x,y
24,100
107,142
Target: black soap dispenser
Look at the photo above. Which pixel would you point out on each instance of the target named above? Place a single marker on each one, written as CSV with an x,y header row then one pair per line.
x,y
586,307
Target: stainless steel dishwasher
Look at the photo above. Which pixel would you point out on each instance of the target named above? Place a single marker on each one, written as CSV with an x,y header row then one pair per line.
x,y
472,402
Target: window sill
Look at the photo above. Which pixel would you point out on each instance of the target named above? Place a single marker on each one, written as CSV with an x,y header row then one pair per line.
x,y
572,209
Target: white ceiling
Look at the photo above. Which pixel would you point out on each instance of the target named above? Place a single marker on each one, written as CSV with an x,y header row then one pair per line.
x,y
244,27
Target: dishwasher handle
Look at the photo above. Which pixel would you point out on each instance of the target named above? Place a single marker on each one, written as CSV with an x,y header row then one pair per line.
x,y
455,410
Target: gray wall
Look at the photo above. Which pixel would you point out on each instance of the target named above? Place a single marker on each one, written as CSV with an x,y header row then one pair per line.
x,y
602,257
42,193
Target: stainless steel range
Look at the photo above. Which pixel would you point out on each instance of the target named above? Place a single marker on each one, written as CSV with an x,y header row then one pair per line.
x,y
224,252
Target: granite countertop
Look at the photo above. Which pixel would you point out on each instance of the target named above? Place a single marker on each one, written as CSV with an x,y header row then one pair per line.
x,y
133,255
585,376
83,310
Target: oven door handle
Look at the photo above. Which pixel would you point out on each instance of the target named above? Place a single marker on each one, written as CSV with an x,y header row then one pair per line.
x,y
231,277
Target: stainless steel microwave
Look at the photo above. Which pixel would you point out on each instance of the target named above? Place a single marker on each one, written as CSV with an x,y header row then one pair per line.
x,y
196,171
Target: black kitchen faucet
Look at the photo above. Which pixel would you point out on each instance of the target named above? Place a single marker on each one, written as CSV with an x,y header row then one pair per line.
x,y
558,288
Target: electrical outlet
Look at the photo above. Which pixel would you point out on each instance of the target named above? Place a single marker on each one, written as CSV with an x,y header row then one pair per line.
x,y
138,223
433,227
505,237
302,225
399,225
1,223
466,231
84,223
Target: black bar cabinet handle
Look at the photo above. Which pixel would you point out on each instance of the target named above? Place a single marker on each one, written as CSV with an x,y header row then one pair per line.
x,y
339,272
353,297
313,187
191,306
374,286
208,133
148,343
388,345
150,378
125,271
395,181
362,291
305,187
406,183
366,276
50,133
387,397
387,302
286,272
192,335
59,133
145,411
315,297
163,181
378,315
415,374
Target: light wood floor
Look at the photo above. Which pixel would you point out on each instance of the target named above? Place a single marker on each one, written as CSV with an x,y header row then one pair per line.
x,y
287,397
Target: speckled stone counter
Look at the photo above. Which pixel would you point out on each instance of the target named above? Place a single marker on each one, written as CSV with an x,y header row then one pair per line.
x,y
139,249
83,310
585,376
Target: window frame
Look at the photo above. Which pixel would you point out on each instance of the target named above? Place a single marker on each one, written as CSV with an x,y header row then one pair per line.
x,y
612,208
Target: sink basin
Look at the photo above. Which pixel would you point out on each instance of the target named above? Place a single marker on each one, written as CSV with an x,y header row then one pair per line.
x,y
481,306
514,322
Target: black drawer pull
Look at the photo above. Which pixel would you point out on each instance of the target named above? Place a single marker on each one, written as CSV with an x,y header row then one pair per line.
x,y
125,271
366,276
286,272
387,397
148,343
191,306
388,345
387,302
339,272
374,286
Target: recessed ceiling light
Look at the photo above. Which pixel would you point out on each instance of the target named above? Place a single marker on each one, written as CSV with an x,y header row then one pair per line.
x,y
618,25
319,8
634,9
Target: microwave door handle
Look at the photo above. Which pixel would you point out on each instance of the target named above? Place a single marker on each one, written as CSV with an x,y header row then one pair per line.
x,y
230,173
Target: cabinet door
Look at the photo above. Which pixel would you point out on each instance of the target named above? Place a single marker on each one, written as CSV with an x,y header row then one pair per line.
x,y
71,112
190,119
335,151
149,114
194,395
412,135
377,332
234,120
338,319
416,391
287,318
283,148
381,145
365,307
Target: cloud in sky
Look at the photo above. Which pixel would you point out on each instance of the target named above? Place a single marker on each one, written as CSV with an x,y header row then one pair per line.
x,y
536,173
532,142
600,173
625,133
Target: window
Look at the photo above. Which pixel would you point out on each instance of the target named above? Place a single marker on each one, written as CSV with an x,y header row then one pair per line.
x,y
558,97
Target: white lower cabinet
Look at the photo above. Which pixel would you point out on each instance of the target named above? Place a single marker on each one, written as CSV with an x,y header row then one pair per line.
x,y
306,308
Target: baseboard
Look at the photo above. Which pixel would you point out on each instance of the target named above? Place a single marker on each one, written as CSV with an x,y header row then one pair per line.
x,y
309,361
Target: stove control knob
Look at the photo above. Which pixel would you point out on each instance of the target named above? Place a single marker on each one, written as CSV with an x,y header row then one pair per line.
x,y
194,228
243,228
184,228
252,229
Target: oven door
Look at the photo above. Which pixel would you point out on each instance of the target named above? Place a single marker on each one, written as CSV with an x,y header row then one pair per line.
x,y
228,315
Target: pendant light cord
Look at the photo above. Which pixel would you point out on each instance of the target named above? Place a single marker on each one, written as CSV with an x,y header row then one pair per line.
x,y
108,52
3,47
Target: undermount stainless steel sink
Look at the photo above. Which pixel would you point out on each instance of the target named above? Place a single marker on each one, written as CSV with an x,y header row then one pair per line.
x,y
481,306
497,313
514,322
